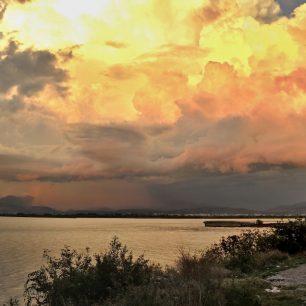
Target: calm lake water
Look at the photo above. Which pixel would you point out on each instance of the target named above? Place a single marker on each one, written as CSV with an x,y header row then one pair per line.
x,y
22,241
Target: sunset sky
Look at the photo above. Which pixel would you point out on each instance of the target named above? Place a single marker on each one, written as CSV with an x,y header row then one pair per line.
x,y
153,103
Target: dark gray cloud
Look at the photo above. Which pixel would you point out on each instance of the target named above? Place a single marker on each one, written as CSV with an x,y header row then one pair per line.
x,y
265,11
123,150
288,6
94,133
29,70
195,147
67,54
16,160
259,190
16,167
152,156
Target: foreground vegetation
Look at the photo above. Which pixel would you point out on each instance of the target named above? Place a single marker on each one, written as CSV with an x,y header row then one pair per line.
x,y
230,273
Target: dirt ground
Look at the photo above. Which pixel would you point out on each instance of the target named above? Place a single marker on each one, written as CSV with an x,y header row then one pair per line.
x,y
293,279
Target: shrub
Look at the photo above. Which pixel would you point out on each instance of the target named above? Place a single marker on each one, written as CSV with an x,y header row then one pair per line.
x,y
174,290
238,251
12,302
243,292
80,279
290,237
244,252
263,260
114,278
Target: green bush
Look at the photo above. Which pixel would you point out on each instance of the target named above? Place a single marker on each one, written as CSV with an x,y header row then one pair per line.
x,y
244,252
79,279
241,293
174,289
238,251
290,237
213,288
262,260
114,278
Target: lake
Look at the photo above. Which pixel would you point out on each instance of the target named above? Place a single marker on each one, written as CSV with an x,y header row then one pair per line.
x,y
22,241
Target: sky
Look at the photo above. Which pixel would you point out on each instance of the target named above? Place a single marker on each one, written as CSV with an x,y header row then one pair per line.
x,y
153,103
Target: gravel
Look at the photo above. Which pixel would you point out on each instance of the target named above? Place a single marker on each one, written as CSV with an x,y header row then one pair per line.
x,y
294,277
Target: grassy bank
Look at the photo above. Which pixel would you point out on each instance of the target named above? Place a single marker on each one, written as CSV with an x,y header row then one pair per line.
x,y
229,273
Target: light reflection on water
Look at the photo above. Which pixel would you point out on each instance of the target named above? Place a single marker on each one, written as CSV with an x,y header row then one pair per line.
x,y
22,241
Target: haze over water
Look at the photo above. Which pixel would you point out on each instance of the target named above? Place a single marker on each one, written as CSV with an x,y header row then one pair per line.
x,y
23,240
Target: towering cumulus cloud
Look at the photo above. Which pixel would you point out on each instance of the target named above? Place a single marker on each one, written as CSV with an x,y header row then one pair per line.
x,y
151,93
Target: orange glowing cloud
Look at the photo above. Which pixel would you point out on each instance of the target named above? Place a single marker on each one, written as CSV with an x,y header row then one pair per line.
x,y
153,89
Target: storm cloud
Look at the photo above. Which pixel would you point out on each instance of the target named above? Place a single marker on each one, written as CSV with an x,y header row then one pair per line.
x,y
29,70
177,100
288,6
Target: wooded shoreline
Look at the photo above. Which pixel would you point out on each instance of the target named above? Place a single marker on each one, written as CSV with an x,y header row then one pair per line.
x,y
148,216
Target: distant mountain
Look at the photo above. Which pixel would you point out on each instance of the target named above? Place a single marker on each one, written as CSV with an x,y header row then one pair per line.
x,y
15,205
215,210
293,209
96,211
